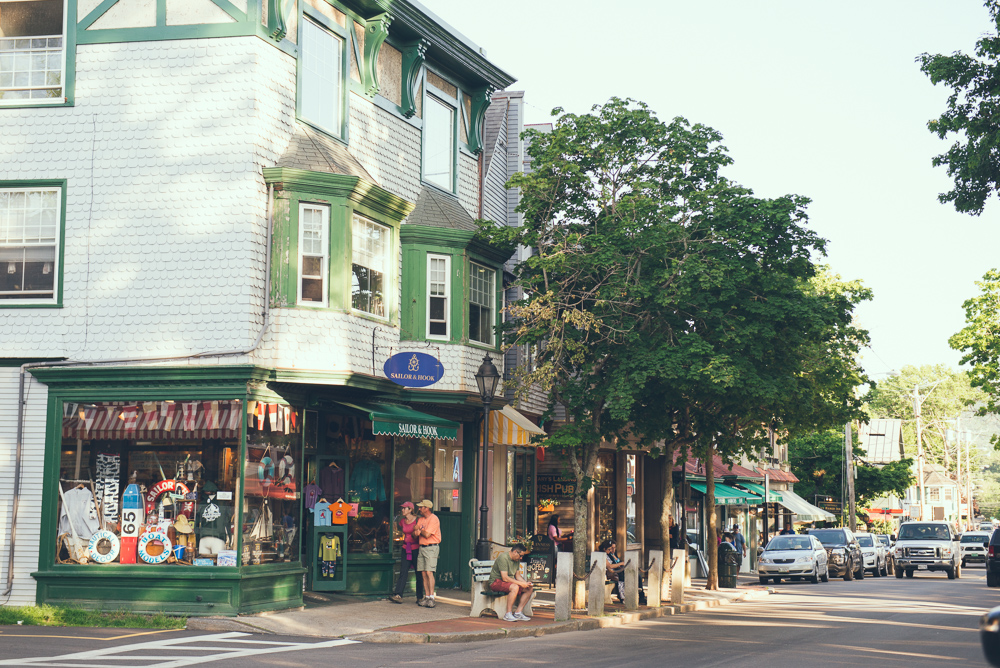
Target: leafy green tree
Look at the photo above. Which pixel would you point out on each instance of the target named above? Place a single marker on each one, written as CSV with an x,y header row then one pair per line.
x,y
971,115
979,344
817,460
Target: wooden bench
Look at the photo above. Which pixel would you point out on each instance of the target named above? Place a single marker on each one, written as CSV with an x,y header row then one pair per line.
x,y
484,598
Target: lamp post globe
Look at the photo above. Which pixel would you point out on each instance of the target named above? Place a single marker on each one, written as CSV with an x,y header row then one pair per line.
x,y
487,378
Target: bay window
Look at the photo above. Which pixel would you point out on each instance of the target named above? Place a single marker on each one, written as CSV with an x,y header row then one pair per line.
x,y
370,247
438,289
313,259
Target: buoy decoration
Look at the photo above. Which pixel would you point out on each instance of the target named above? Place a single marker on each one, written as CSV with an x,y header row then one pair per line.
x,y
149,537
95,542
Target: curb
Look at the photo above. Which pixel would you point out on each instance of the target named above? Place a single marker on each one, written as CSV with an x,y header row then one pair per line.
x,y
587,624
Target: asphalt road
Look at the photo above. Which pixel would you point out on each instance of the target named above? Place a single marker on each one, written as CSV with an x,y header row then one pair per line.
x,y
926,621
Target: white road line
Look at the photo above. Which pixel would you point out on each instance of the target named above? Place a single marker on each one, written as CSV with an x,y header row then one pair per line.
x,y
159,651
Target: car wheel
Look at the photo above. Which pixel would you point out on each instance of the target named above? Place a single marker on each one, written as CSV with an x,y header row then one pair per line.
x,y
952,573
776,580
909,572
963,563
861,572
826,575
885,569
849,572
958,572
814,578
992,579
899,573
877,571
891,566
763,580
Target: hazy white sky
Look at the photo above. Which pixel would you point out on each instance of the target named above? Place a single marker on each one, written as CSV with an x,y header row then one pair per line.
x,y
816,98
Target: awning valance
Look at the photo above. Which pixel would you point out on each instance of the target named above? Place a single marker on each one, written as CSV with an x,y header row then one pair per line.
x,y
728,496
759,491
398,420
509,427
803,510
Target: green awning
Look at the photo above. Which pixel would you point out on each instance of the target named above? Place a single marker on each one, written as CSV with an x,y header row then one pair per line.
x,y
728,496
759,491
397,420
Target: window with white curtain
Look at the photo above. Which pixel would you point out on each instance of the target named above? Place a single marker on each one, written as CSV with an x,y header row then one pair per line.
x,y
438,290
29,244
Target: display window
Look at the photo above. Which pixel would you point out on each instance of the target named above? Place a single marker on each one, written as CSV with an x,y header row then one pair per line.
x,y
520,492
149,482
271,484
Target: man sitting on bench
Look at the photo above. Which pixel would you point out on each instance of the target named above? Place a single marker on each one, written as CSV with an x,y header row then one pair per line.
x,y
506,578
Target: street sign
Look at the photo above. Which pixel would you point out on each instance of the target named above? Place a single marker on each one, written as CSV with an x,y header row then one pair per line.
x,y
834,507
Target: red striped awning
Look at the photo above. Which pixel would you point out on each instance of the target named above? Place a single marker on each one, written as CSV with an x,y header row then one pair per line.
x,y
154,420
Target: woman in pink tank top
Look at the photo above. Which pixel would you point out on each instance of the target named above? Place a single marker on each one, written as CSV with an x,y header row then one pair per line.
x,y
408,558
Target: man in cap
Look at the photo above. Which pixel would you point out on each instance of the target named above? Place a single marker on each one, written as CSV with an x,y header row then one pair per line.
x,y
428,532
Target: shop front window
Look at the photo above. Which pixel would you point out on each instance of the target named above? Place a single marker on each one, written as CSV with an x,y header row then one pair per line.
x,y
271,483
604,495
520,491
631,502
447,477
149,482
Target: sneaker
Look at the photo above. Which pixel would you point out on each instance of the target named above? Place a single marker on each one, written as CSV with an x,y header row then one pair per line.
x,y
396,598
422,602
521,617
429,603
509,617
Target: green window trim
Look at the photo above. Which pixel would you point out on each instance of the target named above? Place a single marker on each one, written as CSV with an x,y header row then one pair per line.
x,y
59,269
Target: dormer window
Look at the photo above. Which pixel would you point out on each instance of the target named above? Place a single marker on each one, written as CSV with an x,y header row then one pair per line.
x,y
439,143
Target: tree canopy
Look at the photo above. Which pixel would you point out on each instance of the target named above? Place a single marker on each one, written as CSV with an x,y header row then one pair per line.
x,y
980,344
973,161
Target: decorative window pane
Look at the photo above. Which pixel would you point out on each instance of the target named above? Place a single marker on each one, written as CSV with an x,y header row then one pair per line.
x,y
439,144
321,60
32,61
369,265
934,493
437,296
948,494
313,225
29,236
481,300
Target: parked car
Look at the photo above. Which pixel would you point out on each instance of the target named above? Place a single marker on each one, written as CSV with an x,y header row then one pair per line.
x,y
793,557
993,561
887,542
873,553
930,546
843,552
973,546
989,636
986,526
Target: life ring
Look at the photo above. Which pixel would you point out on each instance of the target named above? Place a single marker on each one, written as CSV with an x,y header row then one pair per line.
x,y
149,537
265,471
95,554
286,470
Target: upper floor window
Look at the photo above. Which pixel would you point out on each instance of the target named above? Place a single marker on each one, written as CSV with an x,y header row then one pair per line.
x,y
948,494
438,290
439,143
370,247
314,220
29,244
482,297
320,77
32,60
934,493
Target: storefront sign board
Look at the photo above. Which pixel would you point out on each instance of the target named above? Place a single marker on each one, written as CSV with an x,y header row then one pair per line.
x,y
412,369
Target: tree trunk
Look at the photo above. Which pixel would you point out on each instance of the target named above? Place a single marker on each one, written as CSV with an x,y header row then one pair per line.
x,y
666,509
712,546
582,470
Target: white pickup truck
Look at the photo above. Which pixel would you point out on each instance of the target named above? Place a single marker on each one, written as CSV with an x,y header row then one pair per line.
x,y
930,546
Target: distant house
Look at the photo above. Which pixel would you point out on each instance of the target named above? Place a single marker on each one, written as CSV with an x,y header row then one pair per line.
x,y
882,442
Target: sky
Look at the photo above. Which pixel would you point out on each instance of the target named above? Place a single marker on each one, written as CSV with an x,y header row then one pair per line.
x,y
818,99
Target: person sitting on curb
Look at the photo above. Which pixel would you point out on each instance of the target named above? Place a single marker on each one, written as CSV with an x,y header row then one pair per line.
x,y
505,577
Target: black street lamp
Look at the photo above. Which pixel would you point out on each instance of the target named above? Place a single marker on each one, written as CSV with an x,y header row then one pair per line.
x,y
486,378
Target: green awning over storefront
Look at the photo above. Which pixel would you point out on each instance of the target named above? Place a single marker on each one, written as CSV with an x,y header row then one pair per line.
x,y
759,491
398,420
728,496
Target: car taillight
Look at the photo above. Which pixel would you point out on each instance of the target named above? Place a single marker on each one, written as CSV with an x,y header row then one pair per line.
x,y
992,554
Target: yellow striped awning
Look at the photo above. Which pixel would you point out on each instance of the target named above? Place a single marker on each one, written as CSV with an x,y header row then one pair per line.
x,y
508,427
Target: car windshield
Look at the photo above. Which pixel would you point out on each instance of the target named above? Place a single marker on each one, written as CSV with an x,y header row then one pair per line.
x,y
974,538
830,536
789,543
915,531
865,541
883,539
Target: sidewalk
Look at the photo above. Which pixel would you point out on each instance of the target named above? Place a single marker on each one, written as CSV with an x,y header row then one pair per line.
x,y
378,620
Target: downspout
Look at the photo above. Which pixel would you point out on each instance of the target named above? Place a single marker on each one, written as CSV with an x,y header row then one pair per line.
x,y
21,400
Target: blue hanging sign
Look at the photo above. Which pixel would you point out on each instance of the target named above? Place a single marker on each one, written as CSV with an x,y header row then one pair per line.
x,y
413,369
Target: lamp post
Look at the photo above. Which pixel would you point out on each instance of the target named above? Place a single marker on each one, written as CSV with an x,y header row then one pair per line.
x,y
487,378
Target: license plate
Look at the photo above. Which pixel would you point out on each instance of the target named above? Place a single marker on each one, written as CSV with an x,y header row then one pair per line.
x,y
783,569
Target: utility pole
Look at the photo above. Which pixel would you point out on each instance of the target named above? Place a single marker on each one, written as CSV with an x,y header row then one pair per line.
x,y
968,474
958,469
920,453
849,474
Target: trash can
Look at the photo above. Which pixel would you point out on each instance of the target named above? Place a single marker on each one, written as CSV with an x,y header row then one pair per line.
x,y
727,566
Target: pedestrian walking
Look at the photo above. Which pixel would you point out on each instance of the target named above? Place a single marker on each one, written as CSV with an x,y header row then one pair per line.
x,y
741,545
428,532
411,547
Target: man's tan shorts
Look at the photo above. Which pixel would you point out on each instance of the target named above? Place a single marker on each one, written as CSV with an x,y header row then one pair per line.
x,y
427,558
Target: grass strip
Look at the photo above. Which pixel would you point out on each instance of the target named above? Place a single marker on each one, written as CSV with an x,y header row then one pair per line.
x,y
52,615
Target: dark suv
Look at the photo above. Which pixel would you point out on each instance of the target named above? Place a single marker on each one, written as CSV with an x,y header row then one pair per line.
x,y
993,561
843,554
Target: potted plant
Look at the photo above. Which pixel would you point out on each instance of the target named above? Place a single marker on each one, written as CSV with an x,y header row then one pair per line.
x,y
546,505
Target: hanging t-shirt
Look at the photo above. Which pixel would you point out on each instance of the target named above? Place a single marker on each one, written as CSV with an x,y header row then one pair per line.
x,y
79,510
321,515
331,481
339,511
311,494
418,475
329,548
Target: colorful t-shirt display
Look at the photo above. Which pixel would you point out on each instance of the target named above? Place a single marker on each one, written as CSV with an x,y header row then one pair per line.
x,y
339,512
321,515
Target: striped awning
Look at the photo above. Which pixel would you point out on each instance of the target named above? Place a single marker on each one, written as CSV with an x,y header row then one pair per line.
x,y
728,496
153,420
509,427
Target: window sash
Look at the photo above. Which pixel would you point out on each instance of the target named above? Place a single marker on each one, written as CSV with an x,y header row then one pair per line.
x,y
33,64
321,80
29,243
439,143
314,223
438,291
482,295
370,246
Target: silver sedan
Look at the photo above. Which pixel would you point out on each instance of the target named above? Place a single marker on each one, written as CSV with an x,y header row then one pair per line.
x,y
793,557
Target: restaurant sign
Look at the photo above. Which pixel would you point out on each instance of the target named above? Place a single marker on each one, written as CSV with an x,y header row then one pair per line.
x,y
413,369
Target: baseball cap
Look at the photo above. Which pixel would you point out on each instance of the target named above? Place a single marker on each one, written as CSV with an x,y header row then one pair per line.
x,y
407,504
426,503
